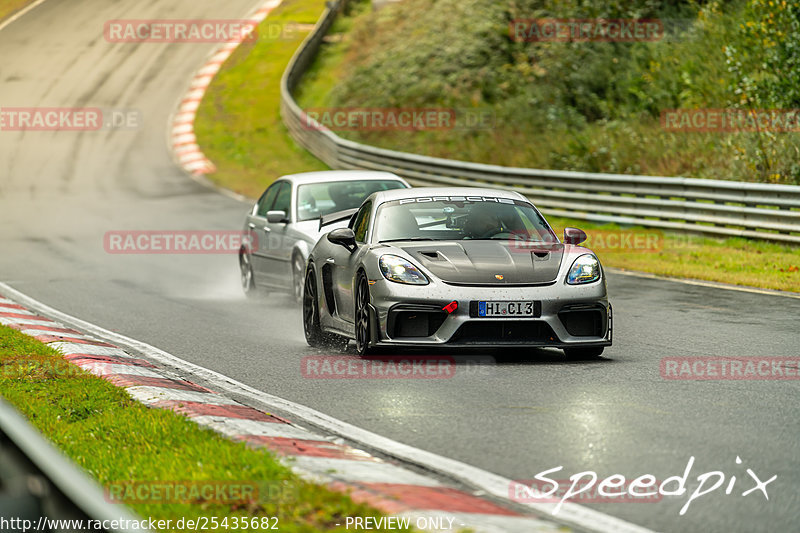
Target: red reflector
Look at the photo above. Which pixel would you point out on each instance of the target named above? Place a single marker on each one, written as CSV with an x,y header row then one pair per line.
x,y
452,306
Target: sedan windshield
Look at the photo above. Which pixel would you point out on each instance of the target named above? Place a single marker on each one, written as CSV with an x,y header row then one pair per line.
x,y
461,219
317,199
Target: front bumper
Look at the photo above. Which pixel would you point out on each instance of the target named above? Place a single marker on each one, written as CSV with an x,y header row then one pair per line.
x,y
567,316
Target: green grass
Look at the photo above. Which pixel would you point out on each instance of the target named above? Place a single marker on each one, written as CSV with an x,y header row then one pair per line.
x,y
238,122
116,439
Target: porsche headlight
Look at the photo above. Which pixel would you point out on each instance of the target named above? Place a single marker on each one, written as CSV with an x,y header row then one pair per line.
x,y
585,269
399,270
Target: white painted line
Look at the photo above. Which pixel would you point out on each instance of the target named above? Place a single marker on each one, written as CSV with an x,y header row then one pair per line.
x,y
186,148
100,368
700,283
239,427
480,522
201,81
38,332
189,138
6,321
182,128
151,395
68,348
16,311
191,105
193,156
184,117
351,471
493,484
198,165
210,68
220,57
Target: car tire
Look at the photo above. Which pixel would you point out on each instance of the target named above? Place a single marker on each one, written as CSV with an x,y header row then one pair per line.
x,y
298,278
363,332
312,329
583,354
247,276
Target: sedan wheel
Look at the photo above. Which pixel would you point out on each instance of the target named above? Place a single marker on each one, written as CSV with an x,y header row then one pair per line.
x,y
297,279
248,282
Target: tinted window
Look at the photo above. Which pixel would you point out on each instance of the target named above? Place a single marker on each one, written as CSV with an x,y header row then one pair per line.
x,y
283,201
267,199
459,218
317,199
362,222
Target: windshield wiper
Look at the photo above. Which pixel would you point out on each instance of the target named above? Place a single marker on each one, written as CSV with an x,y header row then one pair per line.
x,y
409,239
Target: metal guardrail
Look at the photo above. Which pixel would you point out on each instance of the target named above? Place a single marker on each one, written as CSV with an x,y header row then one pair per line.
x,y
40,485
715,207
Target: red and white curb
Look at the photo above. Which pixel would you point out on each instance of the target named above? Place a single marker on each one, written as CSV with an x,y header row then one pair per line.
x,y
323,457
182,137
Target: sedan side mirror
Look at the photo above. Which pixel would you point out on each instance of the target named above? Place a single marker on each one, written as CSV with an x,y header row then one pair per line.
x,y
276,217
574,236
343,237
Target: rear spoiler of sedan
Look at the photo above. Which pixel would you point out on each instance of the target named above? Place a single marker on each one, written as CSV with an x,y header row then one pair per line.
x,y
336,217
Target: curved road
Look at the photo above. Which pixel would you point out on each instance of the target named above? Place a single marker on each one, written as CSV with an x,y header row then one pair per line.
x,y
60,191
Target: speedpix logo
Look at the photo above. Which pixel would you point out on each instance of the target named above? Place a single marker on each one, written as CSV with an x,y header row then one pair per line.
x,y
645,486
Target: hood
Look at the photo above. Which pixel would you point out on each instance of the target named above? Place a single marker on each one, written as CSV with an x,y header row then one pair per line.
x,y
497,262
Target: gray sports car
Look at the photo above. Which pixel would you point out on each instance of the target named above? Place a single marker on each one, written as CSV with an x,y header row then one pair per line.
x,y
283,226
454,267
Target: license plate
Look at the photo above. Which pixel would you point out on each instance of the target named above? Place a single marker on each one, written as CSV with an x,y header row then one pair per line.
x,y
506,309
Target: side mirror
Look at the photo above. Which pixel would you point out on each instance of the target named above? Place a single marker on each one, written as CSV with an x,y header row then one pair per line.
x,y
343,237
276,217
574,236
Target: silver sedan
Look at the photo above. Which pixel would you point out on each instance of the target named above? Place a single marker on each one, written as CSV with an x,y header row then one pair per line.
x,y
284,224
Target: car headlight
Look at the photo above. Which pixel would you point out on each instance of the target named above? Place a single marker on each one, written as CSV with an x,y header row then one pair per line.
x,y
399,270
585,269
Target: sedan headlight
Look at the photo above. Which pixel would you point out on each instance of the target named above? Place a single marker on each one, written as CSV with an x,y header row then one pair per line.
x,y
399,270
585,269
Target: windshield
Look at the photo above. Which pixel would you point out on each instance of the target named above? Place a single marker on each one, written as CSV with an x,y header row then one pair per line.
x,y
317,199
459,219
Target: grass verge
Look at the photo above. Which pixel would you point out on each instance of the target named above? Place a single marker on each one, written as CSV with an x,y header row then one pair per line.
x,y
117,440
238,123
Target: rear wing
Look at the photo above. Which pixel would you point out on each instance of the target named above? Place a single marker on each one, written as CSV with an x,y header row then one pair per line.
x,y
336,217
